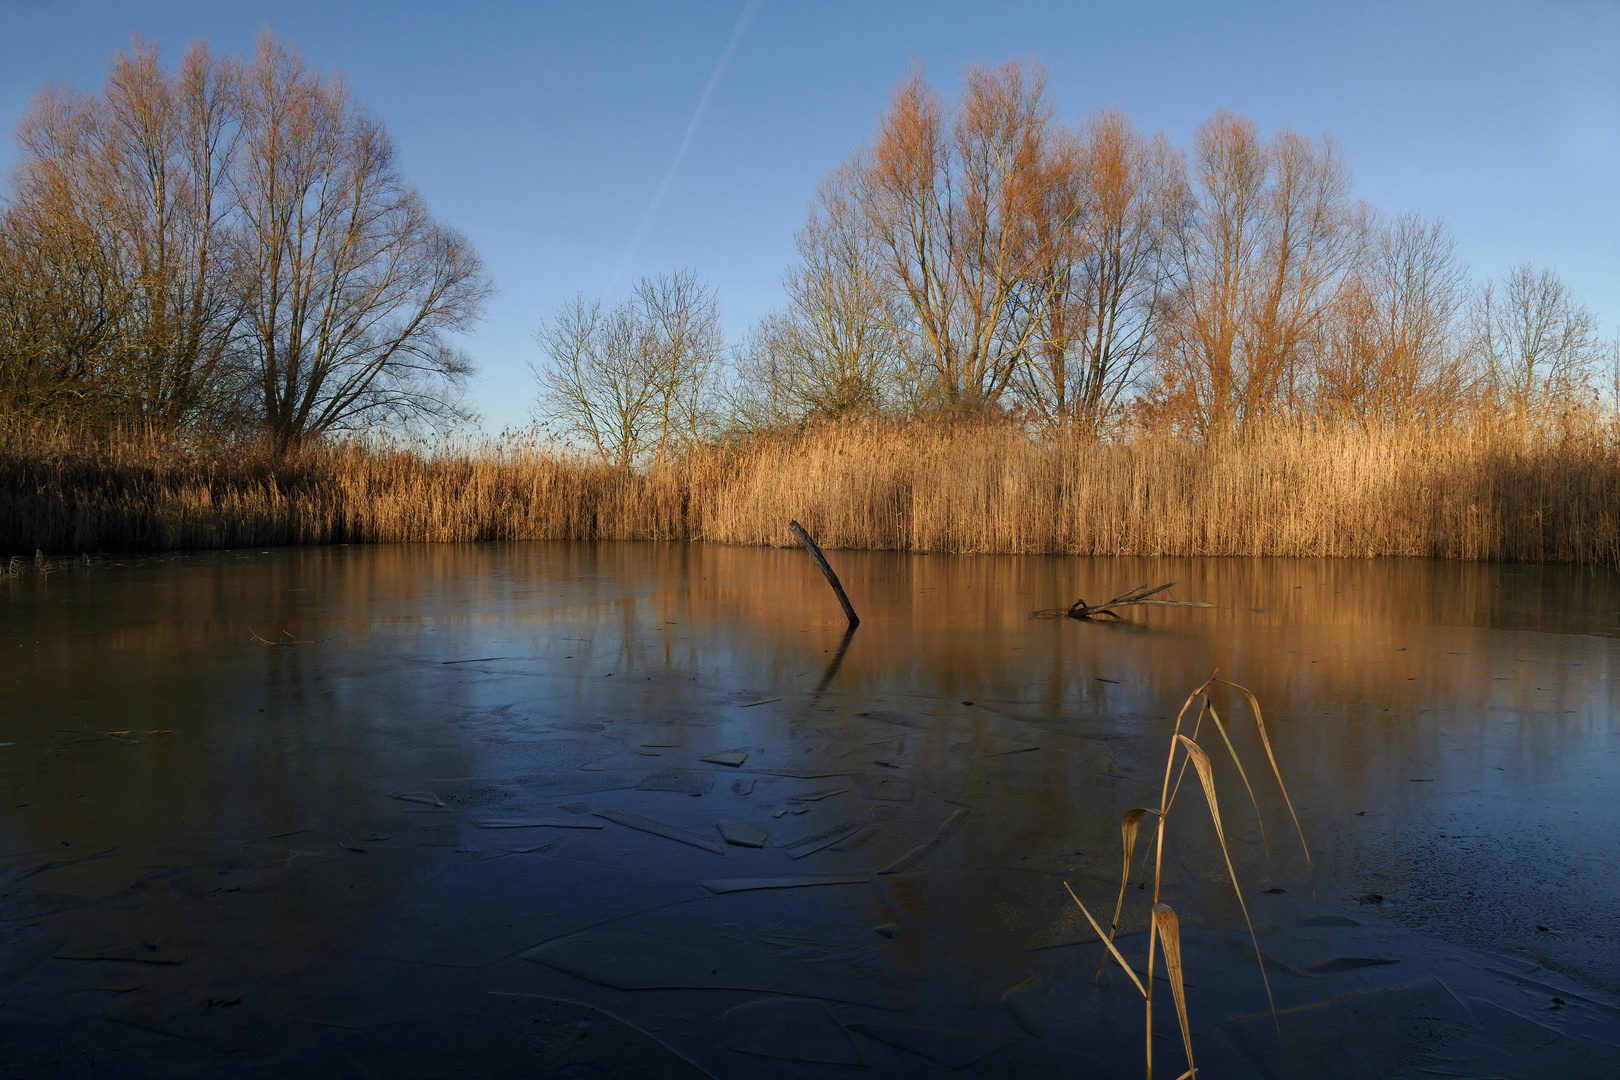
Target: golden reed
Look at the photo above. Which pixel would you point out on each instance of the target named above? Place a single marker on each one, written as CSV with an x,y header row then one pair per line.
x,y
1479,493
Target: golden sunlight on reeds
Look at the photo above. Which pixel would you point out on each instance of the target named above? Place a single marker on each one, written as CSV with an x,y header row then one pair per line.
x,y
1476,493
1481,493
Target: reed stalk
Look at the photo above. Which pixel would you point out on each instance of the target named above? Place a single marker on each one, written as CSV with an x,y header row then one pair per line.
x,y
1164,927
1473,493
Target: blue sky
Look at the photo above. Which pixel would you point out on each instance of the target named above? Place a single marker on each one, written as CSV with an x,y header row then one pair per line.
x,y
544,130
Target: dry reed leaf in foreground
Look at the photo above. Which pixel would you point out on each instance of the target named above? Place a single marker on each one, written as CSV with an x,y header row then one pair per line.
x,y
1168,929
1128,827
1165,928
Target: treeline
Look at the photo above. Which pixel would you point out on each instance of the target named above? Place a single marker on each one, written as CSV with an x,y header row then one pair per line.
x,y
1002,333
226,247
1084,278
229,247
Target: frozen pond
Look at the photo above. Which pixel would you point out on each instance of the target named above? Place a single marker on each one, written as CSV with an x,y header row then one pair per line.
x,y
248,810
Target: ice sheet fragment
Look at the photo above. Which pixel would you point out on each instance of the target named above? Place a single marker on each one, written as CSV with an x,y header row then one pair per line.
x,y
537,823
686,781
742,833
582,783
817,796
657,828
139,953
923,850
667,949
809,845
798,774
886,788
731,885
1327,920
1335,964
794,1029
989,748
952,1049
1365,1033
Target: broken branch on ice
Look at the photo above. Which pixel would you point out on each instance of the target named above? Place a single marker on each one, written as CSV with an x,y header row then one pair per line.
x,y
1141,594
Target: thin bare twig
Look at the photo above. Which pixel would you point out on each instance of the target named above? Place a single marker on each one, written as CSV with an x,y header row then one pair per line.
x,y
1141,594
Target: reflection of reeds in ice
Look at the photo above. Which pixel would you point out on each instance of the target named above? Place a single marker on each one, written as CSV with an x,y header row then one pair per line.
x,y
1165,928
965,486
41,566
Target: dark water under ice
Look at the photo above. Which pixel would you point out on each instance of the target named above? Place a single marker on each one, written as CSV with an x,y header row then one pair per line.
x,y
433,811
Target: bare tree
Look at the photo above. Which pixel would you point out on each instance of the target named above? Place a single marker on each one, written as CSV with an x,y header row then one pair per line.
x,y
959,209
1608,389
352,286
1538,347
680,325
1391,354
634,382
59,316
1270,242
762,390
228,241
599,382
832,351
1109,282
120,204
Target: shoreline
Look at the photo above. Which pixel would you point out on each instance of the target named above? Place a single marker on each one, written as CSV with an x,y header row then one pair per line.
x,y
1479,494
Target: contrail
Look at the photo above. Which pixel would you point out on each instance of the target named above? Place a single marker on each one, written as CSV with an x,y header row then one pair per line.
x,y
697,114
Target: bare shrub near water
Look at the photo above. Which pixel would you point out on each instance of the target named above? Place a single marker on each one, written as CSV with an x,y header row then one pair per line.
x,y
1485,491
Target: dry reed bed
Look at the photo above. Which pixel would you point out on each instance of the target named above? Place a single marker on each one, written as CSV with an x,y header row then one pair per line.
x,y
1478,494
